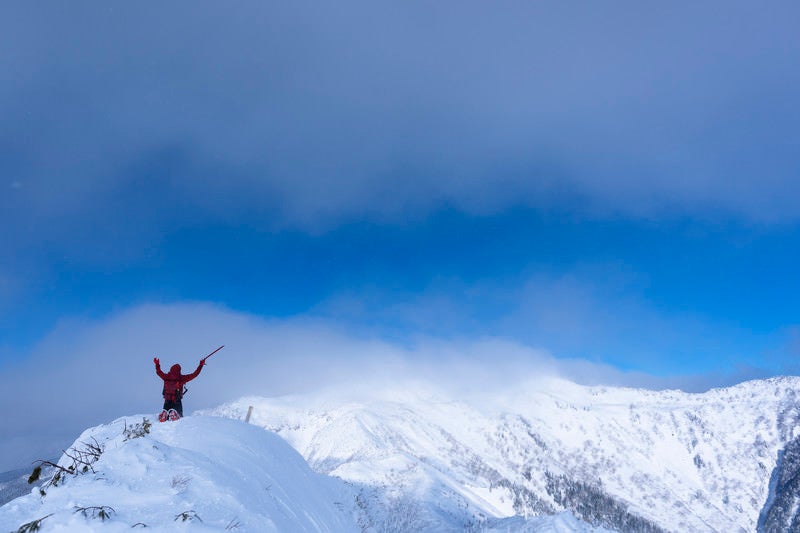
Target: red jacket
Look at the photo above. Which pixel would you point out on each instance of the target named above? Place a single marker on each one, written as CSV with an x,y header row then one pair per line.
x,y
174,381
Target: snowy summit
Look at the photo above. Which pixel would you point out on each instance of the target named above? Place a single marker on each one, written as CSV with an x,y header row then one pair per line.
x,y
552,457
197,474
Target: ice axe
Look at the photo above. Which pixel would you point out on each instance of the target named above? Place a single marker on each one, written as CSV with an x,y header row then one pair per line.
x,y
212,353
203,361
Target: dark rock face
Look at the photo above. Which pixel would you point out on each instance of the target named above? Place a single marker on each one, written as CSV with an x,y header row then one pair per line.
x,y
781,512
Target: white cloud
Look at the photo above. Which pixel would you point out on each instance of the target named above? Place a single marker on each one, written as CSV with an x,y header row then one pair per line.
x,y
88,372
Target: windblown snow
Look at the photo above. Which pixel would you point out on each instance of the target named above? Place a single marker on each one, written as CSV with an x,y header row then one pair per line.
x,y
549,457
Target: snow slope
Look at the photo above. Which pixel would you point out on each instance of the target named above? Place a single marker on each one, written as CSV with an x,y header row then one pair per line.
x,y
215,474
197,474
629,459
413,458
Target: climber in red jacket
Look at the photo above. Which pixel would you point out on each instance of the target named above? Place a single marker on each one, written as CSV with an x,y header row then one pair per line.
x,y
173,391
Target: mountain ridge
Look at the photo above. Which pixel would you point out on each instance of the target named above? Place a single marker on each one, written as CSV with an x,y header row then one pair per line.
x,y
543,456
205,473
674,461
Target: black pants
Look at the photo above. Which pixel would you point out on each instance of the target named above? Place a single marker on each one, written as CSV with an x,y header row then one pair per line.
x,y
174,404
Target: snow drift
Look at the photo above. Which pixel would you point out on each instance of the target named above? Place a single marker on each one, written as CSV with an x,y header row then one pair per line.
x,y
197,474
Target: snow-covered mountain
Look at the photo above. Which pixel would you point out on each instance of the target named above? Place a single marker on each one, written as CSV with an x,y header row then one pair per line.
x,y
627,459
413,458
782,510
13,484
206,473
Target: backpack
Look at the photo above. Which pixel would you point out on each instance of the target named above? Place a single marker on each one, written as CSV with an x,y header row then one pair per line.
x,y
172,391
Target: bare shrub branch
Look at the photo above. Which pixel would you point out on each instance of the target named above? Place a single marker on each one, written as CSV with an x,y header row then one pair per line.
x,y
103,512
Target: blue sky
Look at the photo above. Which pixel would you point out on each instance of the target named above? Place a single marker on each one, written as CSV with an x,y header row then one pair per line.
x,y
615,185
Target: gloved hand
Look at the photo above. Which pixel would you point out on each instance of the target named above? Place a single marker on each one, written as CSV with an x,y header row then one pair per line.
x,y
156,361
202,362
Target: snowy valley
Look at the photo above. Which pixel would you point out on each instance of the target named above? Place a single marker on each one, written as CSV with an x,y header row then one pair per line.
x,y
549,456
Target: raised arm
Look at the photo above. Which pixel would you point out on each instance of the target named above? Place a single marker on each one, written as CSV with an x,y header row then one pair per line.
x,y
158,368
190,377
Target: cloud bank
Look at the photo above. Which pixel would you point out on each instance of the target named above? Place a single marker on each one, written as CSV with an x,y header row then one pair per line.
x,y
125,124
89,372
307,115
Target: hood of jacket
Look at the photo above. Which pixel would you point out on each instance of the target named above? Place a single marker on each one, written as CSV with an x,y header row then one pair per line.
x,y
174,371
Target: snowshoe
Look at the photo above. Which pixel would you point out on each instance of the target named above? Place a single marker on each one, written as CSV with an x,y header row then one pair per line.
x,y
173,415
163,416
